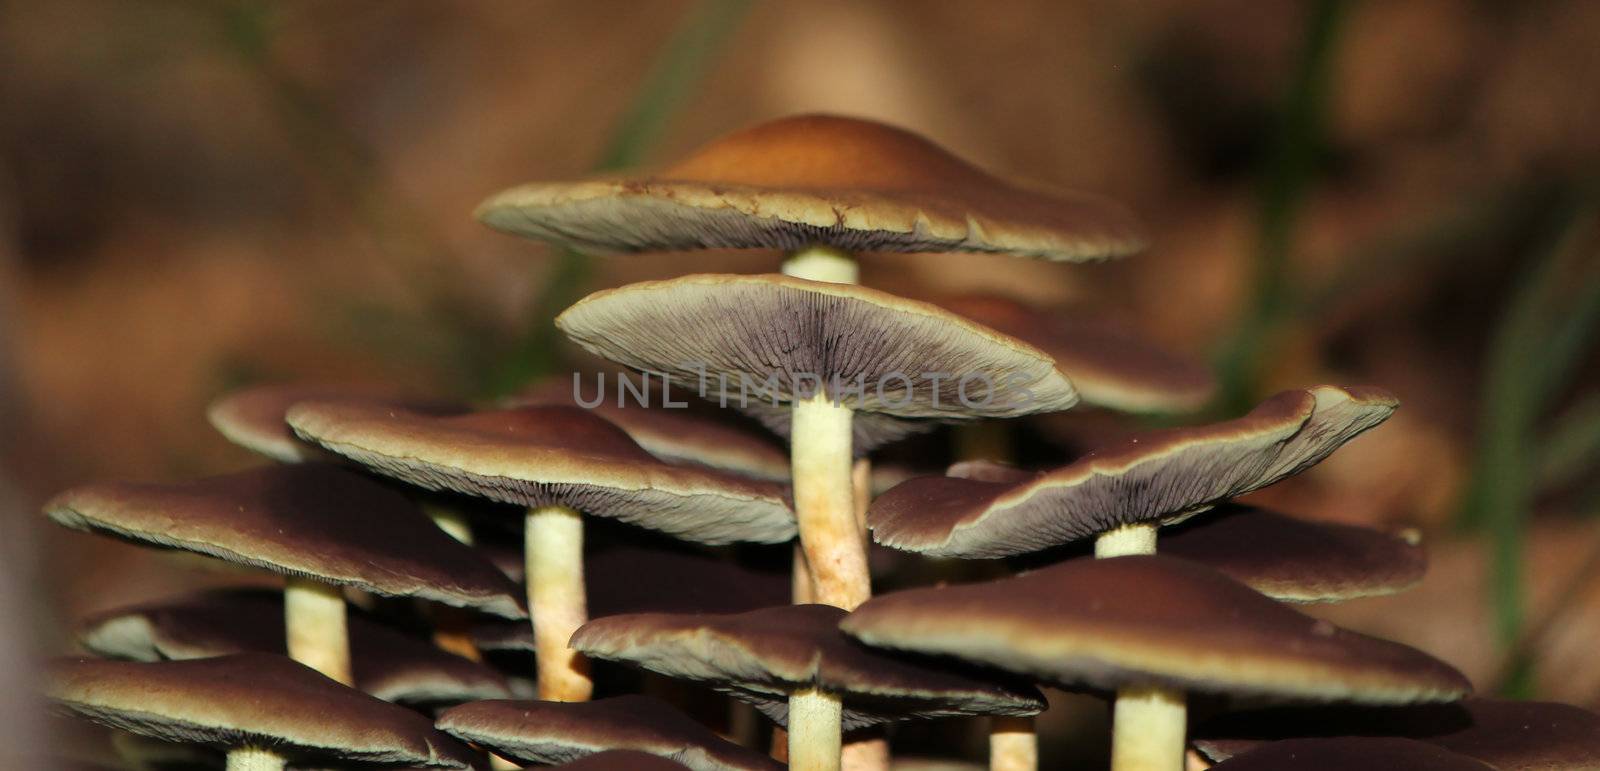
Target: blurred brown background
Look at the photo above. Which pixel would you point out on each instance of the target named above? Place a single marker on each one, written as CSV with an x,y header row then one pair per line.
x,y
198,195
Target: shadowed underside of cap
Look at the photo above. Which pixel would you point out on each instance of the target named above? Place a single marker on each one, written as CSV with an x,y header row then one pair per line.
x,y
1157,477
818,179
549,732
1508,735
250,699
253,418
760,338
309,520
387,663
1153,619
1346,754
761,656
552,455
1111,366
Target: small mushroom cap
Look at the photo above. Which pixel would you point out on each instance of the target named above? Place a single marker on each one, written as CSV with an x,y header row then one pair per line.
x,y
388,664
1157,477
817,179
1110,365
1346,754
623,760
250,699
253,417
1508,735
780,338
764,655
550,455
555,732
308,520
1297,560
1107,623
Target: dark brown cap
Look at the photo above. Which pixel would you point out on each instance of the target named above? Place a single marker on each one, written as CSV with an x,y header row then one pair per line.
x,y
623,760
541,456
787,337
1346,754
1157,477
817,179
253,417
250,699
387,663
764,655
1111,365
1155,620
1508,735
307,520
549,732
1299,560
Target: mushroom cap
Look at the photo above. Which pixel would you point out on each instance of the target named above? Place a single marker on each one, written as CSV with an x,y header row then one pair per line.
x,y
308,520
549,732
623,760
253,417
1298,560
779,338
817,179
551,455
1107,623
764,655
685,435
250,699
1110,365
1345,754
1508,735
388,664
1157,477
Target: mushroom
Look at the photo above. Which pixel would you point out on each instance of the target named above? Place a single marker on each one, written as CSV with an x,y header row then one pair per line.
x,y
323,528
556,461
548,732
795,666
1508,735
1345,754
386,663
623,760
1111,366
1121,493
825,353
263,710
1151,628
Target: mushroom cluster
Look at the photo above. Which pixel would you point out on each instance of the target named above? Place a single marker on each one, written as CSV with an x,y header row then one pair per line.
x,y
426,547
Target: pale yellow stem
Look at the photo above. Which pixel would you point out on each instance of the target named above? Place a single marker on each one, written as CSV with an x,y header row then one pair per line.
x,y
497,763
253,759
1013,744
314,623
870,754
814,731
1126,540
822,263
861,485
1148,730
835,548
801,589
553,549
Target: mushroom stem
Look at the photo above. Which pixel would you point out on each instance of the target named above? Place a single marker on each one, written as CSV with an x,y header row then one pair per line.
x,y
1125,540
314,622
1013,744
255,759
553,549
452,627
815,731
1148,729
866,754
822,263
801,588
835,550
452,522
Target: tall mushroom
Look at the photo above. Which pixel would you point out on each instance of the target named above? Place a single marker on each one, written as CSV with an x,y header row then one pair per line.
x,y
263,710
558,462
1151,628
823,353
321,527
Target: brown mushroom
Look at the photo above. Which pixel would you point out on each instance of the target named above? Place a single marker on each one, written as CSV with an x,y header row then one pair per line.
x,y
1345,754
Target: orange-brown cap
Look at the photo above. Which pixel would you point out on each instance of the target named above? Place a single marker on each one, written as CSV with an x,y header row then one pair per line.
x,y
1153,478
1107,623
311,520
253,417
1351,753
388,664
551,455
762,656
251,700
817,179
548,732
